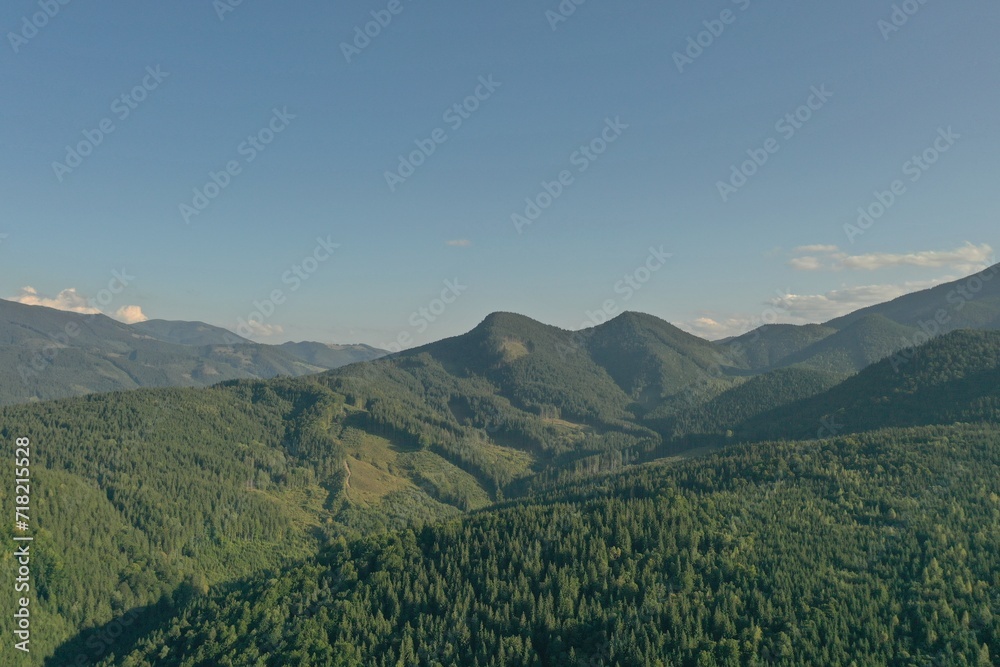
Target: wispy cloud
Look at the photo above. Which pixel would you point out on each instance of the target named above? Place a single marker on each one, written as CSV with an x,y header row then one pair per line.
x,y
816,249
264,330
805,308
714,328
967,259
459,243
807,263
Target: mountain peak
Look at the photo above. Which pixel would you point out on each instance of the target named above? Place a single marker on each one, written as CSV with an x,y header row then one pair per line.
x,y
636,318
512,324
503,317
631,316
637,322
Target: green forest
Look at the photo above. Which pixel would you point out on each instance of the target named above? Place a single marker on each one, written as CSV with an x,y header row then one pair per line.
x,y
881,549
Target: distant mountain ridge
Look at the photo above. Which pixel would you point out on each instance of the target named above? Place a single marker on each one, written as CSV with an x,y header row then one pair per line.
x,y
189,333
952,378
853,341
47,354
972,302
329,355
634,364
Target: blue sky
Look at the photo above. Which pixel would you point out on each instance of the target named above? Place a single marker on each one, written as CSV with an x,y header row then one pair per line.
x,y
216,82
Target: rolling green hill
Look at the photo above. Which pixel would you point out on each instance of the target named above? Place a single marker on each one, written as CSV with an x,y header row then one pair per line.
x,y
561,400
861,343
652,360
768,346
757,396
953,378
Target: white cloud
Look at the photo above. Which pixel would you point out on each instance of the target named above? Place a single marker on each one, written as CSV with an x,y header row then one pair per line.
x,y
967,259
816,249
72,301
263,329
68,300
130,314
459,243
723,327
807,263
703,326
805,308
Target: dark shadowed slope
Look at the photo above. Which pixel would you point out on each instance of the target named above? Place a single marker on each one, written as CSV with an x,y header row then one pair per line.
x,y
952,378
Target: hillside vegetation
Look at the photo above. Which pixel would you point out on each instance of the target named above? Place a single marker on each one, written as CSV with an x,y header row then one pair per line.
x,y
879,549
520,495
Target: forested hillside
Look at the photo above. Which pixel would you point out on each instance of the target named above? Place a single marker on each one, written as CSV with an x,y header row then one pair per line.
x,y
881,549
768,346
196,487
952,378
149,500
859,344
142,494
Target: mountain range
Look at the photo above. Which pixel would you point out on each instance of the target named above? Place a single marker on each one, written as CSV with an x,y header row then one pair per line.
x,y
47,353
853,341
523,495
